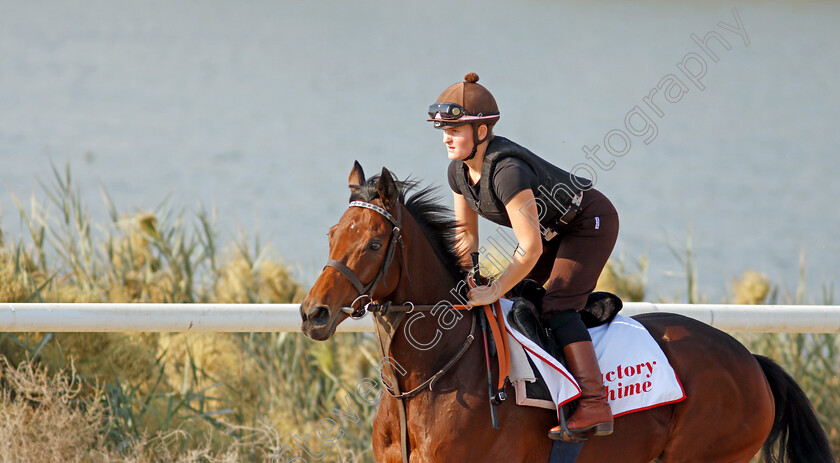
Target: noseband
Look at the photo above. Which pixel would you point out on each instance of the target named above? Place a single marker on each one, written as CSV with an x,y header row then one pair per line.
x,y
364,290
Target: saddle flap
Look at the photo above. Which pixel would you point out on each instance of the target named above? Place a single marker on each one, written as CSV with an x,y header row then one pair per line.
x,y
523,316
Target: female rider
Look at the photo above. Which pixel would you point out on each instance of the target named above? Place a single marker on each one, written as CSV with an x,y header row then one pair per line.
x,y
566,230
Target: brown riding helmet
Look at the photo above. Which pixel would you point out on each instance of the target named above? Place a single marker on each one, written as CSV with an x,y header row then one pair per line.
x,y
466,102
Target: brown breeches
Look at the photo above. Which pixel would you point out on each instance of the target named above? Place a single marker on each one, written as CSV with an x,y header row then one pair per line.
x,y
572,262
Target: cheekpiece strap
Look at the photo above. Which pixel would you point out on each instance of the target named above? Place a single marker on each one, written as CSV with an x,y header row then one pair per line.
x,y
349,274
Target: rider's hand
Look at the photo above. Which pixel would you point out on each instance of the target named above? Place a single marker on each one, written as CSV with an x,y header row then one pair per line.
x,y
484,295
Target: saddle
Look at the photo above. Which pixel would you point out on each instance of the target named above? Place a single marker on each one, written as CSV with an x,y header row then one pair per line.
x,y
525,316
601,308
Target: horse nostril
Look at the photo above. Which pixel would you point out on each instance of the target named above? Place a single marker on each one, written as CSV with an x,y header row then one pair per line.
x,y
319,315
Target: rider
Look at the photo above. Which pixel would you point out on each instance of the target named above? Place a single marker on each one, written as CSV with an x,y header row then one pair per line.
x,y
566,230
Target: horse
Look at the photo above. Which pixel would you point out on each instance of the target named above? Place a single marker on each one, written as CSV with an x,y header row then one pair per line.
x,y
399,250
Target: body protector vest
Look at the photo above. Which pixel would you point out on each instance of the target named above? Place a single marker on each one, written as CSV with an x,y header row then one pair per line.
x,y
554,195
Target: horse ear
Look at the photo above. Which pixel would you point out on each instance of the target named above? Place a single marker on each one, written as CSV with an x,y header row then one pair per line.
x,y
357,177
387,189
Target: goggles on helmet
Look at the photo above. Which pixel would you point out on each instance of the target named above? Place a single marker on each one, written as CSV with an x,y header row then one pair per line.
x,y
447,111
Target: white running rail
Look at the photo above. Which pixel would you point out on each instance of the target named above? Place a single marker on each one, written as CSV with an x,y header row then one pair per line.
x,y
77,317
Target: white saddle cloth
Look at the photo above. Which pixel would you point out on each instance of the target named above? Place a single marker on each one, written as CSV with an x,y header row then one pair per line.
x,y
634,369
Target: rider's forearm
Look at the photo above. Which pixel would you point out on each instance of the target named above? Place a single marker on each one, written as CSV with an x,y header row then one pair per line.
x,y
466,244
517,269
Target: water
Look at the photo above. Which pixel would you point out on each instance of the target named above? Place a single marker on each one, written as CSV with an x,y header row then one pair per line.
x,y
259,109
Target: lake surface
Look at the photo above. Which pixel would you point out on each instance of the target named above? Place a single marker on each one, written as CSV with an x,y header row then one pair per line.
x,y
258,108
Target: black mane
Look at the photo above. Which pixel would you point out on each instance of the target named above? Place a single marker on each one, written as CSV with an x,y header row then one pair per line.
x,y
435,220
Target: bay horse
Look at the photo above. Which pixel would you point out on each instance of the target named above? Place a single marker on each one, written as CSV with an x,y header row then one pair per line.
x,y
389,248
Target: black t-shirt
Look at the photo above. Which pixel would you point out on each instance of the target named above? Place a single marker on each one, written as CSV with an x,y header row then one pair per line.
x,y
512,176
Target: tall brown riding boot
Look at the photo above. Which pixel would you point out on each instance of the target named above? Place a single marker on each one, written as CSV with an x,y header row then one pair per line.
x,y
593,413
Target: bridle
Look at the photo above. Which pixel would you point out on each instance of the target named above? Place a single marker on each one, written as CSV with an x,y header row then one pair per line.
x,y
383,309
365,290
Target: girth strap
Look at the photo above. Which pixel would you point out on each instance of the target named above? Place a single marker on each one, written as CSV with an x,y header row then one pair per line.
x,y
497,327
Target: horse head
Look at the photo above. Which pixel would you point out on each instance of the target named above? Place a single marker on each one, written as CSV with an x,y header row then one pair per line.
x,y
365,247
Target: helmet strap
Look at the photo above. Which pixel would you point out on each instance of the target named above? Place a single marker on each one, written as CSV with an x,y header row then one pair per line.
x,y
476,141
472,153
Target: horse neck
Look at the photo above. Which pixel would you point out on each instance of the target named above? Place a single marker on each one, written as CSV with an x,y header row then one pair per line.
x,y
425,282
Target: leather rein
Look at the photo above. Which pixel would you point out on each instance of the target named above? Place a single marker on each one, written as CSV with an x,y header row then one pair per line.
x,y
386,330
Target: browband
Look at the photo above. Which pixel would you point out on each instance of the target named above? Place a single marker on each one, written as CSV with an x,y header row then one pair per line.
x,y
376,208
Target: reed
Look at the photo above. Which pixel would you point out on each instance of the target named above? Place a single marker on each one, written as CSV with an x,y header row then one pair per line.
x,y
165,395
234,397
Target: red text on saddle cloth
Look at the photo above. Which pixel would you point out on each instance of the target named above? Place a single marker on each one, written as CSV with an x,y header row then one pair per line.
x,y
625,381
634,368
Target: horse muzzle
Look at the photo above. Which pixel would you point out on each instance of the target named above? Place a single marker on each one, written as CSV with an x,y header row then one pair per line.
x,y
317,321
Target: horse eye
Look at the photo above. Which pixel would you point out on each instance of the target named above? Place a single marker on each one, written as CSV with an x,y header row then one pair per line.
x,y
374,245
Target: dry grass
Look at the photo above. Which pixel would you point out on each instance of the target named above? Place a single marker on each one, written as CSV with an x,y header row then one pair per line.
x,y
42,418
752,288
46,418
